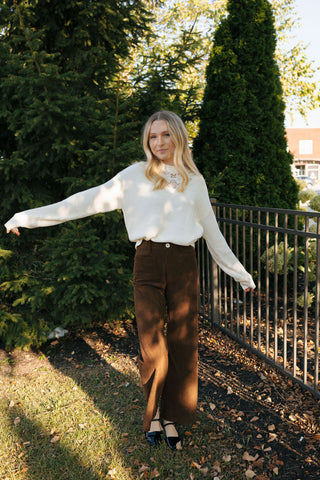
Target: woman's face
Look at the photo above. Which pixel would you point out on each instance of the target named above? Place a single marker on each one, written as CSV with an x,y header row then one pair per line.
x,y
160,142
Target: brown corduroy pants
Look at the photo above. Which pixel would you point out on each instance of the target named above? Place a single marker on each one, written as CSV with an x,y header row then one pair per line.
x,y
166,292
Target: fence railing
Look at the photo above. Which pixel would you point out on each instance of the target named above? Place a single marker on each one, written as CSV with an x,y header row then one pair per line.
x,y
280,320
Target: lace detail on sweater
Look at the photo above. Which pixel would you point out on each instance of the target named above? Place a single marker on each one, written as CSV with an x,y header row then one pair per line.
x,y
172,176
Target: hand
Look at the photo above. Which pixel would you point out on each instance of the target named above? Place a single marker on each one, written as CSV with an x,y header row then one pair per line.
x,y
15,231
249,289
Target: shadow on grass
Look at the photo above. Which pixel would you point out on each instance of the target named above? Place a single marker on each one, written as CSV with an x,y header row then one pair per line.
x,y
113,387
40,459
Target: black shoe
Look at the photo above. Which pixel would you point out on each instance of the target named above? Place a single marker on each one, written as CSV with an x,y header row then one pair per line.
x,y
174,443
154,438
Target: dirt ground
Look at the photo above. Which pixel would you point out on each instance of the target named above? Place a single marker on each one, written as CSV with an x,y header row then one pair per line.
x,y
263,409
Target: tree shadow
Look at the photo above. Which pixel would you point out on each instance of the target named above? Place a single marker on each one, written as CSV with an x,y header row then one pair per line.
x,y
40,458
112,388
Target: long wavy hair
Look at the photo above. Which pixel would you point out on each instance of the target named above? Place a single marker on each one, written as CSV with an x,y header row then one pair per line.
x,y
182,155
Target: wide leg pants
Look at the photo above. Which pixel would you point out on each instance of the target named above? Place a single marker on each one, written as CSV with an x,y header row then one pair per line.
x,y
166,305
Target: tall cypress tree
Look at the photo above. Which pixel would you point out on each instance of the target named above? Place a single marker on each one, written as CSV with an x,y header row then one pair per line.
x,y
58,119
241,147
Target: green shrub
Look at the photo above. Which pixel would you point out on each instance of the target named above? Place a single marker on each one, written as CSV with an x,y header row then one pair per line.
x,y
312,264
280,258
301,184
305,195
315,203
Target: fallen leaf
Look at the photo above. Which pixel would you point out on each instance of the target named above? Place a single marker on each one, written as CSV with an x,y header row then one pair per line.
x,y
143,468
155,473
258,463
196,465
249,458
16,421
226,458
212,406
272,437
250,473
276,460
271,428
112,472
55,438
11,404
229,391
276,471
254,419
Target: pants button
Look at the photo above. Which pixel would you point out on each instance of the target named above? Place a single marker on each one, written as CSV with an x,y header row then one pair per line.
x,y
167,245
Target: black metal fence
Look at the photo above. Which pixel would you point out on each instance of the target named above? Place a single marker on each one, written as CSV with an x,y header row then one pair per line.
x,y
280,320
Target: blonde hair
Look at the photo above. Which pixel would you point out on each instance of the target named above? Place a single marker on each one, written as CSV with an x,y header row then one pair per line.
x,y
182,155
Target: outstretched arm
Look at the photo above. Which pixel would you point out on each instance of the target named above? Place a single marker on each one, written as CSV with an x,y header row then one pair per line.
x,y
99,199
222,254
217,245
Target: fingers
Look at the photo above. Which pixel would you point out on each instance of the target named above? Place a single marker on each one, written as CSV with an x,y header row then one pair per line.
x,y
15,231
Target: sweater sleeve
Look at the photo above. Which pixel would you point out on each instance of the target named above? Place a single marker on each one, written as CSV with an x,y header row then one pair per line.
x,y
102,198
218,247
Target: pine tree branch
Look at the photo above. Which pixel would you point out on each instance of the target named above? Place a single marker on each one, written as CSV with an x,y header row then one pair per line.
x,y
35,61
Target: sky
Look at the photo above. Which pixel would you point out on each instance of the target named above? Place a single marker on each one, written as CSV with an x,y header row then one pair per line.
x,y
309,33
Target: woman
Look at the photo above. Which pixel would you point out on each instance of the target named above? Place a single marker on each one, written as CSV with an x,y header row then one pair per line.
x,y
166,210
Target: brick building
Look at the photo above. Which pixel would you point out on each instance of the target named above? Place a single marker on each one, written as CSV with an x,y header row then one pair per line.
x,y
304,144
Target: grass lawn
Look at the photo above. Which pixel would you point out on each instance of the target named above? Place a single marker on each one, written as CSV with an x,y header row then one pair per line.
x,y
86,424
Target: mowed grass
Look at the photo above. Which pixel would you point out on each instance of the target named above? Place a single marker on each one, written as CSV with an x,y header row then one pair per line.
x,y
83,422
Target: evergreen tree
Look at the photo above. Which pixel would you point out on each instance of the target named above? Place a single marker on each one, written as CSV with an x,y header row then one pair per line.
x,y
61,132
241,147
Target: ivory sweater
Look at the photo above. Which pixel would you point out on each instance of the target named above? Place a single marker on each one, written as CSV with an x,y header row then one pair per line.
x,y
165,215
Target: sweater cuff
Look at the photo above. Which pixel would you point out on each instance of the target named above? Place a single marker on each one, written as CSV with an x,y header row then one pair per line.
x,y
248,283
10,224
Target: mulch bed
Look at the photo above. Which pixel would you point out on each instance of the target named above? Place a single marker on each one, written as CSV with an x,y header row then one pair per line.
x,y
278,418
